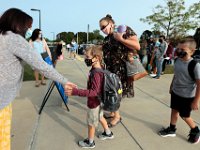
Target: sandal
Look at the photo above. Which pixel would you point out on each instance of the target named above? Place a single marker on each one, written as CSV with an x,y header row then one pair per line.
x,y
37,84
108,116
43,83
110,125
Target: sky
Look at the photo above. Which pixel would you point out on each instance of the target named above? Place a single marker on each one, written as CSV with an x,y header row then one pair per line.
x,y
75,15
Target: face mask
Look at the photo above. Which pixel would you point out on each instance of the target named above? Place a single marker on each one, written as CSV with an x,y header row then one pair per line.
x,y
28,33
88,62
40,36
180,53
160,40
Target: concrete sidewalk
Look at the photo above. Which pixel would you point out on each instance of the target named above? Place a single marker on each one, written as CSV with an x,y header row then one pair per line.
x,y
58,129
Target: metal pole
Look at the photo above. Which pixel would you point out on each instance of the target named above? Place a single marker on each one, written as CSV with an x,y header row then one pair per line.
x,y
38,10
88,33
40,19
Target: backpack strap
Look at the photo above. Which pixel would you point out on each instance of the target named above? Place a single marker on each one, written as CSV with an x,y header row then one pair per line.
x,y
191,67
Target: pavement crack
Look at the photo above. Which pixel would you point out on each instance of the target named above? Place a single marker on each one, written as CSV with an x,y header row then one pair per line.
x,y
34,133
131,135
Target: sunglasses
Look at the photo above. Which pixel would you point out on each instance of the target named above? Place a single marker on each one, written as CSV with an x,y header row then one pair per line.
x,y
103,27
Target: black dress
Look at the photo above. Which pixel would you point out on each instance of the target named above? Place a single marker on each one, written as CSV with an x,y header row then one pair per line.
x,y
115,57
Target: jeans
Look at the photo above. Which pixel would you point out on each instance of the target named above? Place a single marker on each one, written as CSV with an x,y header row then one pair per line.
x,y
159,66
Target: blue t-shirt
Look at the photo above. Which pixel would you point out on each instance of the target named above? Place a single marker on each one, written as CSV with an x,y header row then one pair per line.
x,y
38,46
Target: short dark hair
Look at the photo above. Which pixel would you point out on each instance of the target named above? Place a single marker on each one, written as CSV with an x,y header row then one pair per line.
x,y
35,34
15,20
162,36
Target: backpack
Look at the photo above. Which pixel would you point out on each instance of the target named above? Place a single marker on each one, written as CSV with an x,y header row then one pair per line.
x,y
111,95
193,63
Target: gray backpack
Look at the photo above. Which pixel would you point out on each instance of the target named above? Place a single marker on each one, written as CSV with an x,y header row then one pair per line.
x,y
111,95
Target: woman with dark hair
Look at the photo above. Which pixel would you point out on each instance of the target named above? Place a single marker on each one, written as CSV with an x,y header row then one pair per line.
x,y
39,44
14,24
116,47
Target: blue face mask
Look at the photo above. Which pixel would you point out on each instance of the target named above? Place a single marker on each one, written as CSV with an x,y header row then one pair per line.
x,y
28,33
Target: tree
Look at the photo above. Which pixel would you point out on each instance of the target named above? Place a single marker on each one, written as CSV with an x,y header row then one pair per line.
x,y
82,37
65,36
173,18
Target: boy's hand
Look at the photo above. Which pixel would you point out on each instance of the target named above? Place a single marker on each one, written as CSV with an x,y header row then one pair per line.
x,y
68,88
195,105
68,92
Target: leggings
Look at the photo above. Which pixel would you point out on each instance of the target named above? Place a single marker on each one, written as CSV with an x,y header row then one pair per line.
x,y
5,127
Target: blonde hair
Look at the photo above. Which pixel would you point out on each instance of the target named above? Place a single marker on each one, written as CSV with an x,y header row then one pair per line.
x,y
190,42
95,51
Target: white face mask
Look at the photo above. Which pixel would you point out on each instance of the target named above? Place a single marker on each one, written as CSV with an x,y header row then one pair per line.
x,y
28,33
40,36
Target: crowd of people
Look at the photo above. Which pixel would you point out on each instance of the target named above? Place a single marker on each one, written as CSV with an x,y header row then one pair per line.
x,y
121,53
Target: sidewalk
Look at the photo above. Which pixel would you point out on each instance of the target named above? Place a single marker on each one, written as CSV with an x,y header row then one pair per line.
x,y
58,129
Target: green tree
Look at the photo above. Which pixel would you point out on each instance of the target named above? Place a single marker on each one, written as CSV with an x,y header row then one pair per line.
x,y
173,18
65,36
82,37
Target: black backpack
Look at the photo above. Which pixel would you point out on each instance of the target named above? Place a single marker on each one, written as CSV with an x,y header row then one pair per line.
x,y
111,96
193,63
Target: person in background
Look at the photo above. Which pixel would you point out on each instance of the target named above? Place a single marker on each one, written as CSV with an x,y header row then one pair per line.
x,y
73,49
39,45
167,56
143,50
14,48
160,56
115,48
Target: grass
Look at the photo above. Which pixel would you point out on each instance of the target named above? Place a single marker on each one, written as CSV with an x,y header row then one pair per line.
x,y
28,73
169,69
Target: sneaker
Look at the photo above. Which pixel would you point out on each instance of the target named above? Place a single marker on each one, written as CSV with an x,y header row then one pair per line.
x,y
194,136
104,136
167,132
86,144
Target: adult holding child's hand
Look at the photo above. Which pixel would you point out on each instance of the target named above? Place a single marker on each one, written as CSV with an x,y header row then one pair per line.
x,y
68,88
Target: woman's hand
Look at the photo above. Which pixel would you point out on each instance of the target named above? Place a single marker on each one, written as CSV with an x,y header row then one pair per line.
x,y
118,36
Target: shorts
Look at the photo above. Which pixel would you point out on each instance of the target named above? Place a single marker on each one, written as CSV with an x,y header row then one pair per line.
x,y
181,104
135,67
94,115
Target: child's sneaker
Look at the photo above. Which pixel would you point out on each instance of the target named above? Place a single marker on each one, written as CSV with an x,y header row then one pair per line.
x,y
166,132
86,144
104,136
194,136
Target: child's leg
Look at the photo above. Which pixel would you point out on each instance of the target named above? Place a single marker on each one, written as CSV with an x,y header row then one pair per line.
x,y
194,135
171,130
91,133
107,134
190,122
174,117
104,123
